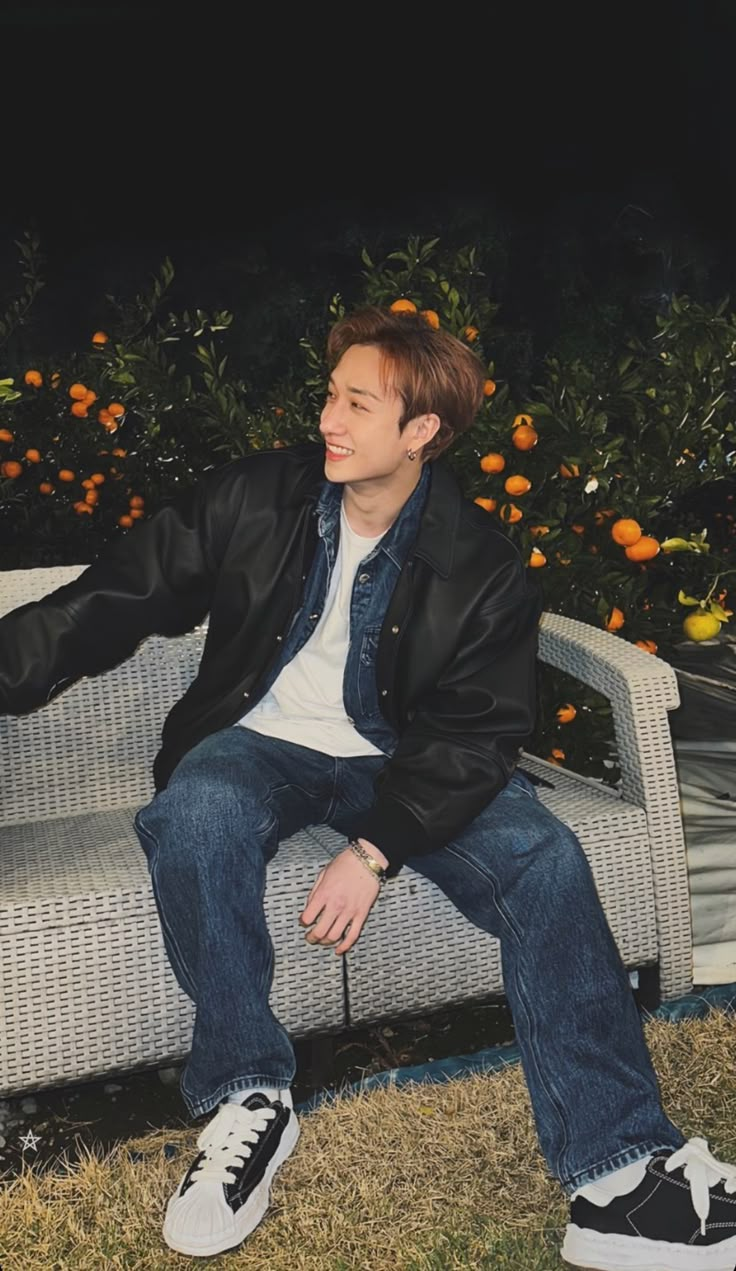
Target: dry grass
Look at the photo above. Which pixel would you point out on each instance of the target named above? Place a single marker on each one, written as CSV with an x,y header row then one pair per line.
x,y
415,1178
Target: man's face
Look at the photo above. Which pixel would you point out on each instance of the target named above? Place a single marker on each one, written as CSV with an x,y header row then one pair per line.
x,y
360,420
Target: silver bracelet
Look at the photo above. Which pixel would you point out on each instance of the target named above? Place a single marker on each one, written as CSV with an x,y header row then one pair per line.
x,y
369,861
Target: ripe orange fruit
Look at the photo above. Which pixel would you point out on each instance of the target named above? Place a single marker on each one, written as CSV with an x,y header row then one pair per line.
x,y
66,474
33,456
537,530
116,409
402,305
88,484
602,514
34,378
569,470
492,462
11,468
125,521
566,713
79,409
517,485
119,452
648,646
104,416
524,437
489,388
615,620
100,337
137,513
78,392
577,528
537,559
82,509
488,504
645,548
90,397
471,334
6,435
520,420
431,317
625,531
97,478
46,487
136,501
92,497
557,754
510,513
278,410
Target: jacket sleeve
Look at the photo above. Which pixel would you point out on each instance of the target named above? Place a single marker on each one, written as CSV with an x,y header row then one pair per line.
x,y
462,745
159,579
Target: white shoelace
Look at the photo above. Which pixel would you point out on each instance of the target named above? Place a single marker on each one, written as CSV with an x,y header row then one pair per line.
x,y
702,1171
227,1138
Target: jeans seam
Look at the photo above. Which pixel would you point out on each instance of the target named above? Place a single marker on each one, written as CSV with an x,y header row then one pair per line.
x,y
184,976
627,1156
199,1107
498,901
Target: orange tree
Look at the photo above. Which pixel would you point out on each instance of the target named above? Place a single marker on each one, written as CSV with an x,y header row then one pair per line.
x,y
94,442
591,471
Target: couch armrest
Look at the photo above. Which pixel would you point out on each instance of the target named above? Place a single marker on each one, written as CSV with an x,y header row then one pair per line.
x,y
642,689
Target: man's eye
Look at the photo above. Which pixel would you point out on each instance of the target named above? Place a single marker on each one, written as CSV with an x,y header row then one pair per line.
x,y
358,405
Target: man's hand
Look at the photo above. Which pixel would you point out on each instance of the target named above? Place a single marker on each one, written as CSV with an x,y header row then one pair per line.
x,y
343,895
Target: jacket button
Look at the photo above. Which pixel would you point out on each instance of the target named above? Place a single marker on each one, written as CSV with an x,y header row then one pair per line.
x,y
279,639
394,631
364,578
246,694
384,692
313,617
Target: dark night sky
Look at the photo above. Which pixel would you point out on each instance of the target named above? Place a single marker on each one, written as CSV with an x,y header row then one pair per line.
x,y
138,133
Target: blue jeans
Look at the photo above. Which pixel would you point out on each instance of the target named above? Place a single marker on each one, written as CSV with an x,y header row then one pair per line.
x,y
516,872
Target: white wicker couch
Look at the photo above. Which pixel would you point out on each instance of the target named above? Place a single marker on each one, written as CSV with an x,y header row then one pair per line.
x,y
86,986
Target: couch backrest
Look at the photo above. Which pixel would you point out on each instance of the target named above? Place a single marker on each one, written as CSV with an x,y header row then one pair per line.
x,y
93,746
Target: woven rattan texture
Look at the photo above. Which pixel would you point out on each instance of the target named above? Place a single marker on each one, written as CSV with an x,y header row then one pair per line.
x,y
87,988
86,985
445,959
641,689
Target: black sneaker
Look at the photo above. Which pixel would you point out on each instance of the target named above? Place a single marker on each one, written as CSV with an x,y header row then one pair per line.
x,y
225,1192
681,1217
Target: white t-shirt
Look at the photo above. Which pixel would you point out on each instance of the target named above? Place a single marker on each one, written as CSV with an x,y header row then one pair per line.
x,y
305,704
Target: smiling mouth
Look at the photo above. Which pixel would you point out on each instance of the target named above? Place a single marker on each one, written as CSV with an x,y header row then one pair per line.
x,y
339,450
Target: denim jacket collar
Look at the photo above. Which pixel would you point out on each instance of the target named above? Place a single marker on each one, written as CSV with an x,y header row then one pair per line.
x,y
398,539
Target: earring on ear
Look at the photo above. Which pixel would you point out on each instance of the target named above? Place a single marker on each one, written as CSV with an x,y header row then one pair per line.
x,y
411,454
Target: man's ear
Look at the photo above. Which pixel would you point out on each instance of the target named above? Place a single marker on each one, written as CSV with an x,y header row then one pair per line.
x,y
424,428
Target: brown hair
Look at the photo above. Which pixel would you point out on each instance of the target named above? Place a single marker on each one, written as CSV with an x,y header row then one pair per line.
x,y
431,370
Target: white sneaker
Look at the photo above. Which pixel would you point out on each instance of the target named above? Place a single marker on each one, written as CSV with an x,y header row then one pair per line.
x,y
225,1192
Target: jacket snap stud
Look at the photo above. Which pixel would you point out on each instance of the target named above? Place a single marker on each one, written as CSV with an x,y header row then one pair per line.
x,y
364,578
246,694
313,617
279,639
394,630
384,692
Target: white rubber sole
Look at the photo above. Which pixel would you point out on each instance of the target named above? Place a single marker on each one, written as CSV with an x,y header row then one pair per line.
x,y
248,1216
591,1251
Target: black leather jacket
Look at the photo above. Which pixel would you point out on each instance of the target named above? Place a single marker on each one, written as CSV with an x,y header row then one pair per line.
x,y
459,677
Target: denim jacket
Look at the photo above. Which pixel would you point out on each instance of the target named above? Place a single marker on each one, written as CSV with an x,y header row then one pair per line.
x,y
374,583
